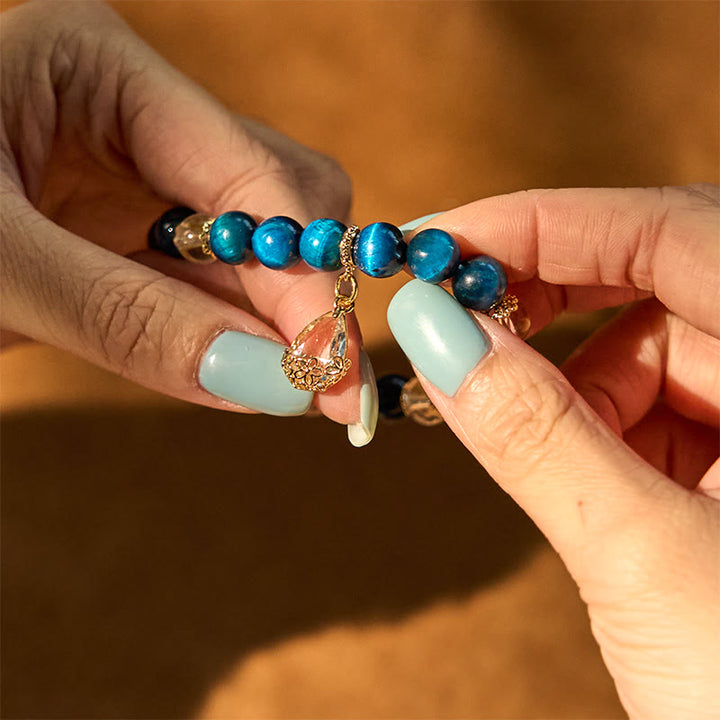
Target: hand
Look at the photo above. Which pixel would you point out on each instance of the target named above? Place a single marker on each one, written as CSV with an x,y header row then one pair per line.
x,y
616,458
100,136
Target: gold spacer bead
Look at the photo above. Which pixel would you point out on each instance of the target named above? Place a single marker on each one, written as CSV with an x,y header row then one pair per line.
x,y
507,305
346,244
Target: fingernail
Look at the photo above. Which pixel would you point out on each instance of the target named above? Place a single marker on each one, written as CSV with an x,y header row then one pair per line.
x,y
436,333
408,227
362,432
245,369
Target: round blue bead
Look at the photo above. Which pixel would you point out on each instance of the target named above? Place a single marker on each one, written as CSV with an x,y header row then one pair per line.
x,y
479,282
231,237
433,255
379,250
275,242
320,244
389,390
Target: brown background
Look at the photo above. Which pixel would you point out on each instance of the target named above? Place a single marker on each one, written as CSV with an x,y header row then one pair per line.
x,y
167,561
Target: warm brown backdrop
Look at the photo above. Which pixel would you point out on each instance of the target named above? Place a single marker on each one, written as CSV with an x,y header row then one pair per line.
x,y
165,561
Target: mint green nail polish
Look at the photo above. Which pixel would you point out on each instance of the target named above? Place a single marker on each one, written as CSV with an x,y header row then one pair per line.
x,y
245,369
408,227
437,334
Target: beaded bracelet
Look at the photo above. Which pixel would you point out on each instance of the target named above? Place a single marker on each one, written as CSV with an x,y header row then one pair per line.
x,y
317,358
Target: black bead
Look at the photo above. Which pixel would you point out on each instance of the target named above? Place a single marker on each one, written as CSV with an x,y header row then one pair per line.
x,y
389,388
162,232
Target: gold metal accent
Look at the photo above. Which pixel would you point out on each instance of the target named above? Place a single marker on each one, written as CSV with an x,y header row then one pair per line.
x,y
417,405
205,238
346,244
511,314
504,307
344,302
308,372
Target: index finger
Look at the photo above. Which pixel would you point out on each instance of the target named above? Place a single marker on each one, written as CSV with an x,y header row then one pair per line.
x,y
660,240
206,158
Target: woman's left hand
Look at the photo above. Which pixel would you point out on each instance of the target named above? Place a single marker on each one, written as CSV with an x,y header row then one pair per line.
x,y
100,136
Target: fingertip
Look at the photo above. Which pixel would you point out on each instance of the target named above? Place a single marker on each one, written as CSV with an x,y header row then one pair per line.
x,y
246,370
409,227
362,431
436,333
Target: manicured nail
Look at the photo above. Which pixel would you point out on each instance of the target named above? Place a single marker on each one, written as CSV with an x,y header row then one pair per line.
x,y
362,432
245,369
437,334
408,227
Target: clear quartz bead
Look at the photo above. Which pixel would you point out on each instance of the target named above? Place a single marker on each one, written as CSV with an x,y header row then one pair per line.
x,y
417,405
518,322
191,238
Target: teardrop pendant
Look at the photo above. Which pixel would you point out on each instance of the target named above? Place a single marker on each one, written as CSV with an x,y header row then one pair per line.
x,y
317,358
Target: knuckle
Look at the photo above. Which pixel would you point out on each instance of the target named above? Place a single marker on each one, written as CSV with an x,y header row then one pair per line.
x,y
324,182
675,213
263,167
652,227
327,188
130,321
334,176
706,194
268,164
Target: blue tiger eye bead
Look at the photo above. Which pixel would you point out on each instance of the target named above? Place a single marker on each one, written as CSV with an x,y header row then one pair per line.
x,y
389,390
275,242
231,237
320,244
162,232
479,282
379,250
433,255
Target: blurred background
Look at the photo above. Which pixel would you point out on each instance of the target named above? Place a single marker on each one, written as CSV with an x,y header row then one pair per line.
x,y
146,574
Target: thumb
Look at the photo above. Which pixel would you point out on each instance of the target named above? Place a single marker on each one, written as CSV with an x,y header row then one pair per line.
x,y
527,426
158,331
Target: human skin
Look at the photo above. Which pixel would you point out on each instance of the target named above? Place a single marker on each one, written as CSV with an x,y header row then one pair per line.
x,y
616,457
100,136
615,460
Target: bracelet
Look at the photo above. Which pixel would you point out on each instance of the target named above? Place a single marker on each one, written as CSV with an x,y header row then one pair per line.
x,y
317,358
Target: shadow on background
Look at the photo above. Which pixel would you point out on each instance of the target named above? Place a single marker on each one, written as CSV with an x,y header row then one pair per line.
x,y
178,543
143,576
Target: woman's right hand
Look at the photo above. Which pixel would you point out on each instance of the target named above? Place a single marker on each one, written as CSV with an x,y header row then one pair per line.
x,y
100,136
616,457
